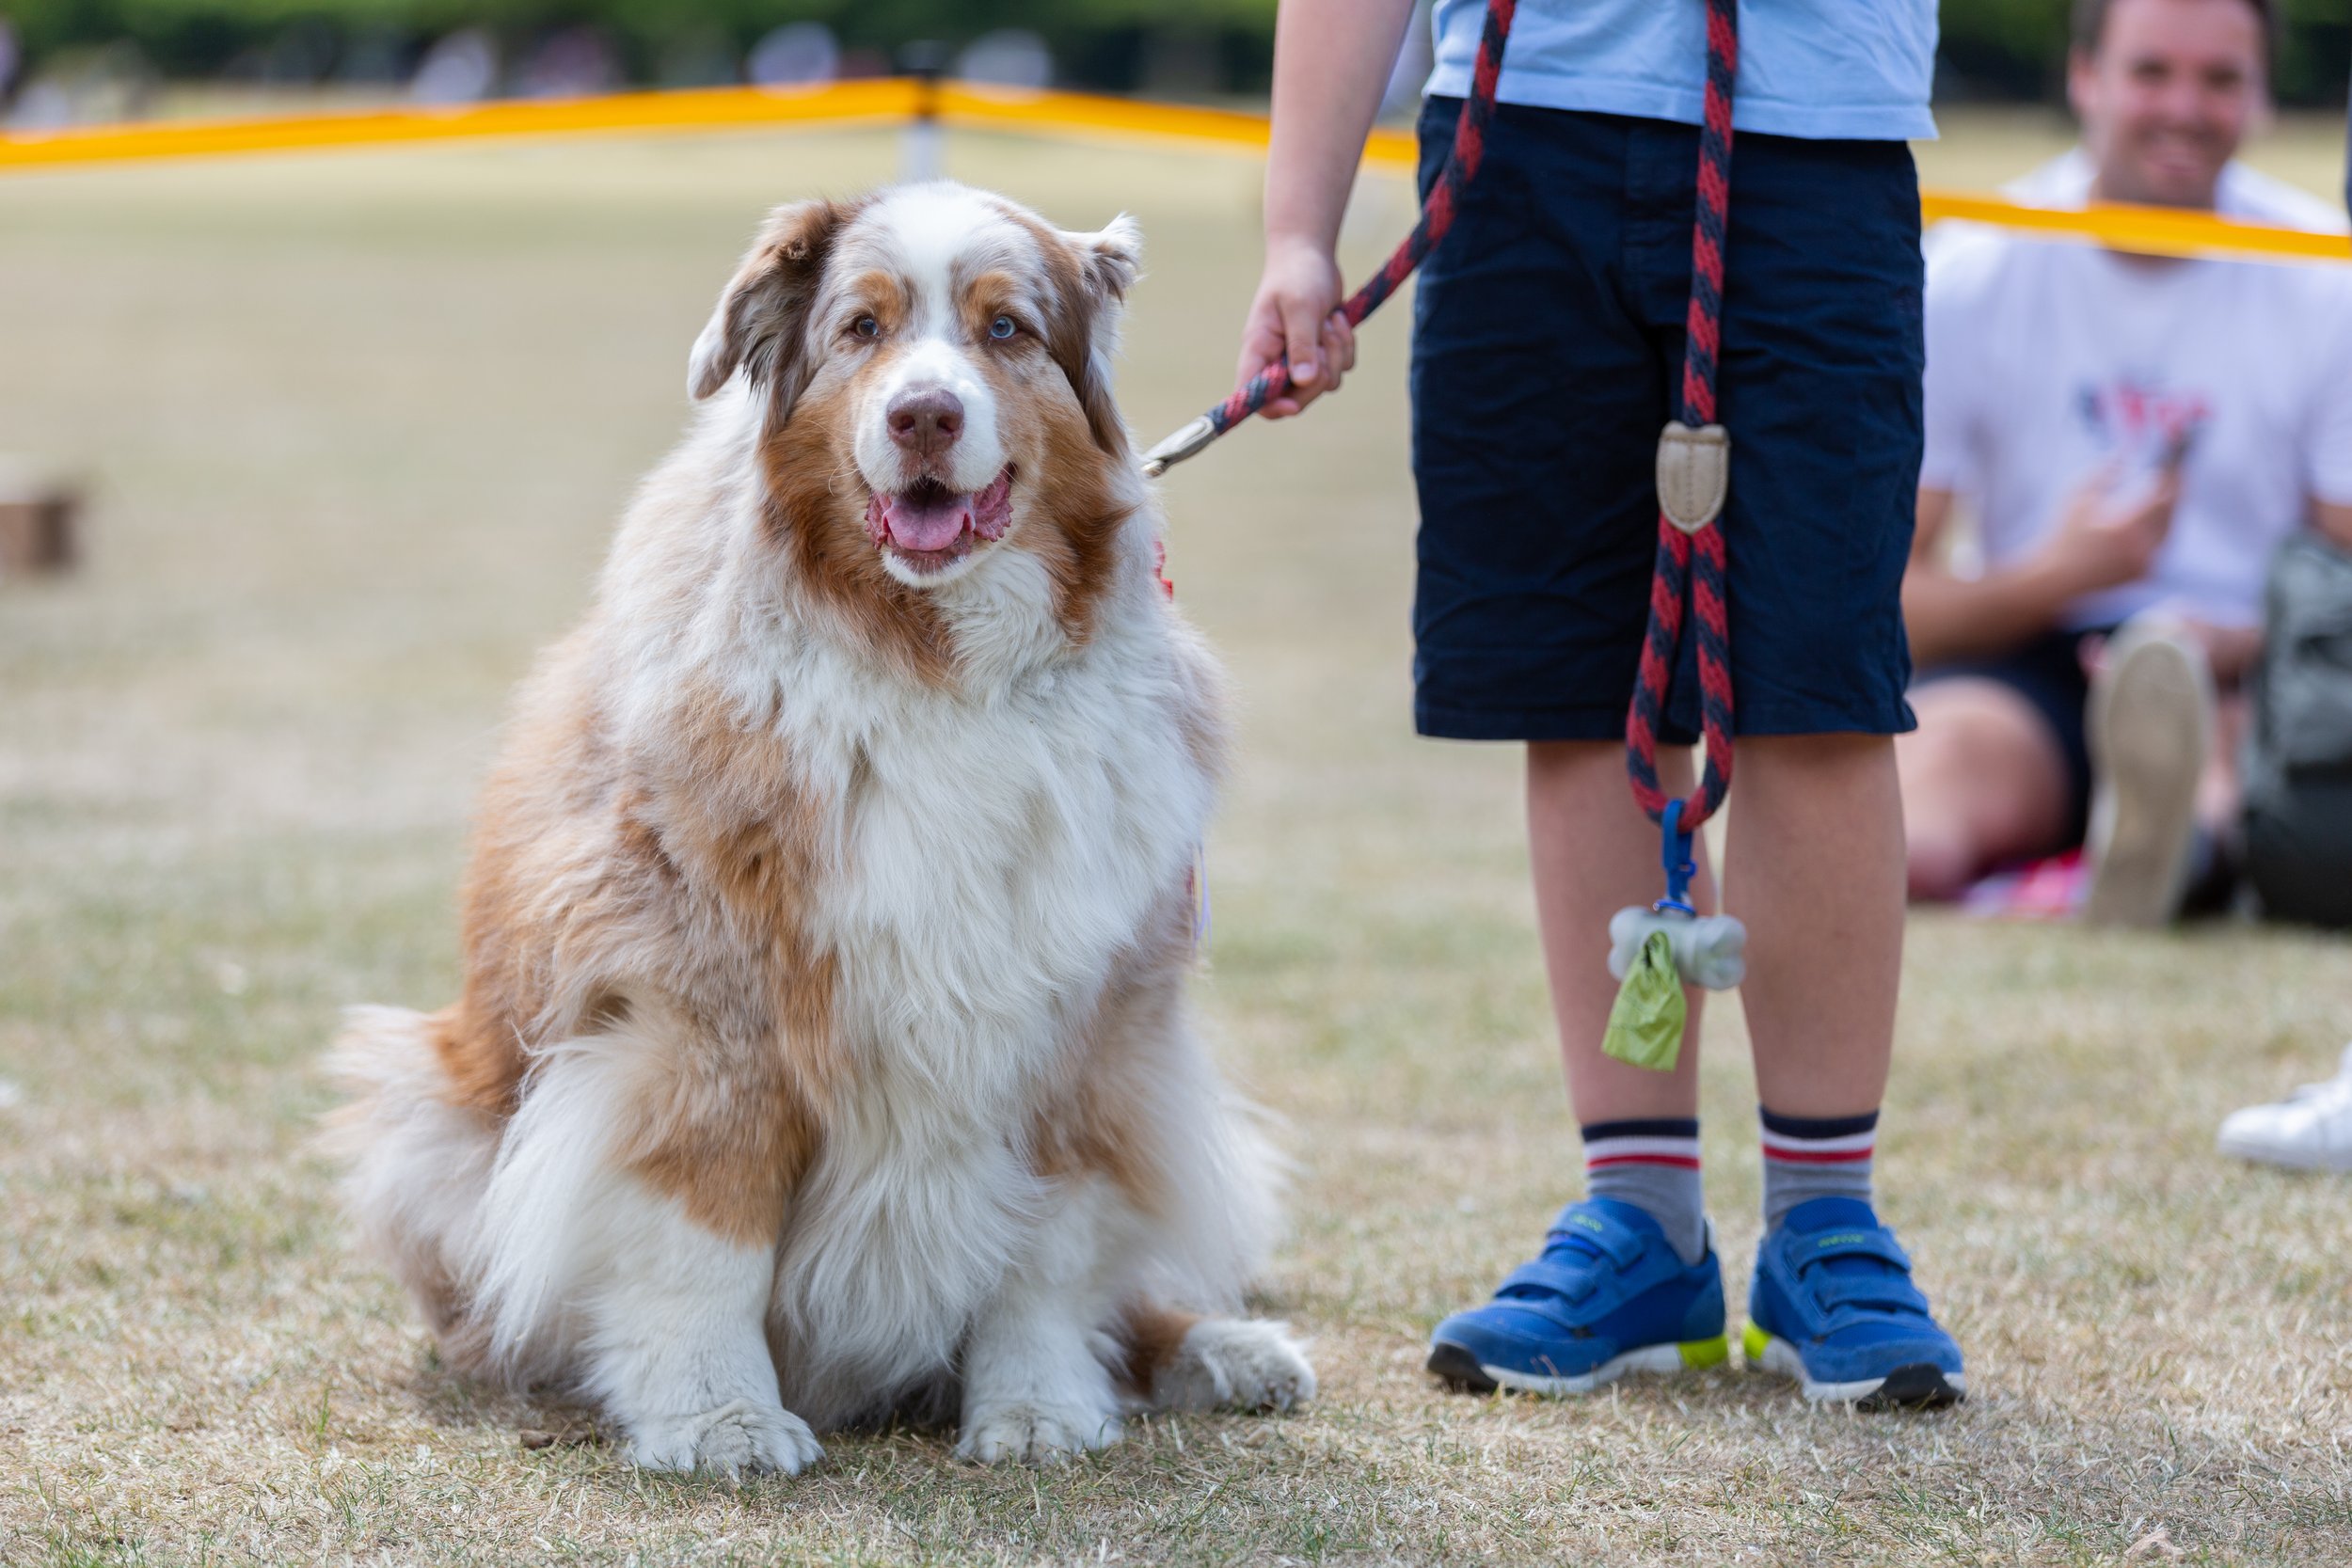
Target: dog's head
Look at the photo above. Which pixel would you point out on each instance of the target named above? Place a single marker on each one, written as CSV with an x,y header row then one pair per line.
x,y
939,358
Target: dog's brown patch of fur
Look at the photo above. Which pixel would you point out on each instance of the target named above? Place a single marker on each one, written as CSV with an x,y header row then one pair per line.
x,y
763,313
1080,517
735,1119
1151,1335
1083,285
700,868
1105,1122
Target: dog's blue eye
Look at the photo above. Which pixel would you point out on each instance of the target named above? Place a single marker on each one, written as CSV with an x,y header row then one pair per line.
x,y
1002,327
866,327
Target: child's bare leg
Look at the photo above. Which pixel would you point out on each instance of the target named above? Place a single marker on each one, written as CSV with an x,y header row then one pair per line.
x,y
1813,865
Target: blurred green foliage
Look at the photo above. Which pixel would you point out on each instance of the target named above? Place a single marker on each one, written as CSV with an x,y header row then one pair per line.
x,y
1098,42
2017,49
1999,49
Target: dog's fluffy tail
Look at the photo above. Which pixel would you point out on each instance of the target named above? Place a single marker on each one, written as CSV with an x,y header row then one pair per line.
x,y
417,1166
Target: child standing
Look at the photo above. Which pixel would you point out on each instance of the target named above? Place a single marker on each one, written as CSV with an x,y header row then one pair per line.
x,y
1548,345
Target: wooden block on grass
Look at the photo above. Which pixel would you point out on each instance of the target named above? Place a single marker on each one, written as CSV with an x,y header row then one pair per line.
x,y
37,523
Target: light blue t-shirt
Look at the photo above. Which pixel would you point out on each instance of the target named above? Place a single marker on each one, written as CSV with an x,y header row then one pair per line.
x,y
1824,68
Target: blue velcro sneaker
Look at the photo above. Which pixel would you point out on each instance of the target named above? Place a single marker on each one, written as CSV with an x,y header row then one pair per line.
x,y
1833,1307
1607,1296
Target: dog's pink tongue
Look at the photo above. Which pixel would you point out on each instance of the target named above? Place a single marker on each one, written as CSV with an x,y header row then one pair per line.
x,y
932,523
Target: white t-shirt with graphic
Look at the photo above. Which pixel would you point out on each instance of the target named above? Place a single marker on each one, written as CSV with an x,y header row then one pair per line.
x,y
2048,362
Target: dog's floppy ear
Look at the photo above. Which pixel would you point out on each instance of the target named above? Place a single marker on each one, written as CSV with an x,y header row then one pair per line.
x,y
761,322
1086,336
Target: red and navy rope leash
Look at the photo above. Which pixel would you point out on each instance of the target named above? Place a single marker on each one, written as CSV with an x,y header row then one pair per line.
x,y
1674,579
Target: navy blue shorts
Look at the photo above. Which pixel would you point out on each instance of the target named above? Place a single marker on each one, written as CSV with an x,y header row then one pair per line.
x,y
1548,339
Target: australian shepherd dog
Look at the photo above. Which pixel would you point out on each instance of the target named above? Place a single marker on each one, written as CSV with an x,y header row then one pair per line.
x,y
822,1050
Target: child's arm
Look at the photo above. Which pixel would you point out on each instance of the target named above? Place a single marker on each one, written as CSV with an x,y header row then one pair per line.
x,y
1331,60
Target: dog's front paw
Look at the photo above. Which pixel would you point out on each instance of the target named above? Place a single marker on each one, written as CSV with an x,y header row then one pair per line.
x,y
1035,1433
737,1437
1236,1363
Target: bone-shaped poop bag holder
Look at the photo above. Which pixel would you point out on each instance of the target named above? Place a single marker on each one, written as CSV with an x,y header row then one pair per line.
x,y
1709,950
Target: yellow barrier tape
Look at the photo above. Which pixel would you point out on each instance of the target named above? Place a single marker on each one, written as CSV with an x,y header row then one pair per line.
x,y
888,99
1089,116
2159,231
2148,231
1082,115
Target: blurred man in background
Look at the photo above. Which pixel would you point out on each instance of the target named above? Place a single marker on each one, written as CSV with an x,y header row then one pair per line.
x,y
2137,436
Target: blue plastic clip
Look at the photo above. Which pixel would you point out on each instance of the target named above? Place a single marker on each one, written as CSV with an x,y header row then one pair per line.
x,y
1674,854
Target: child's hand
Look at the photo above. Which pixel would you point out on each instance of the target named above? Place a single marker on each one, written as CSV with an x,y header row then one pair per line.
x,y
1295,317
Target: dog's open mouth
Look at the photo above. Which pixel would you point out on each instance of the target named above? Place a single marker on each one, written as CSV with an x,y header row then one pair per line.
x,y
929,527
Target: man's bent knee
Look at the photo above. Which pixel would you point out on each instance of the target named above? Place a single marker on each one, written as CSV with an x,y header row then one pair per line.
x,y
1983,781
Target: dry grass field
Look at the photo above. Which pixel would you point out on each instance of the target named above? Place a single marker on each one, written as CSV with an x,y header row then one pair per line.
x,y
357,429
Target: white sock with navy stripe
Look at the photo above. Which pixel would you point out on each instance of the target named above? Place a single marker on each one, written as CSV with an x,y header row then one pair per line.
x,y
1811,1157
1654,1166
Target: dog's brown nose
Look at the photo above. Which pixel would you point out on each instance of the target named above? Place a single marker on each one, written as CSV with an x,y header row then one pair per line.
x,y
927,422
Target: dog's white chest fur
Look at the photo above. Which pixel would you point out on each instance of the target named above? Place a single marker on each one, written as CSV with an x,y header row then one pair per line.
x,y
996,855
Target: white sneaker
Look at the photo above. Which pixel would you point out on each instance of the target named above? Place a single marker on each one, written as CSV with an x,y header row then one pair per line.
x,y
2311,1129
2150,725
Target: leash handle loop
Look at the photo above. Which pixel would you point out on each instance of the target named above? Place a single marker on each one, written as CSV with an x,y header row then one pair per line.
x,y
1695,565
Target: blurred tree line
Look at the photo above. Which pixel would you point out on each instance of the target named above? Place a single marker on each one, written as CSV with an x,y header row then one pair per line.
x,y
1217,44
2016,49
1992,48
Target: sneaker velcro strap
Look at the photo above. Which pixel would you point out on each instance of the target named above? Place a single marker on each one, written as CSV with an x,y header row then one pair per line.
x,y
1623,1246
1893,1292
1570,1318
1566,1281
1879,1244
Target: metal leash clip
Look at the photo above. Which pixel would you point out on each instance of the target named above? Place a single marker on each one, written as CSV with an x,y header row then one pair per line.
x,y
1183,444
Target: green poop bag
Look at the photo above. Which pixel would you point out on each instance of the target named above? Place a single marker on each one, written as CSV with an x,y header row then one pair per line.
x,y
1645,1021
